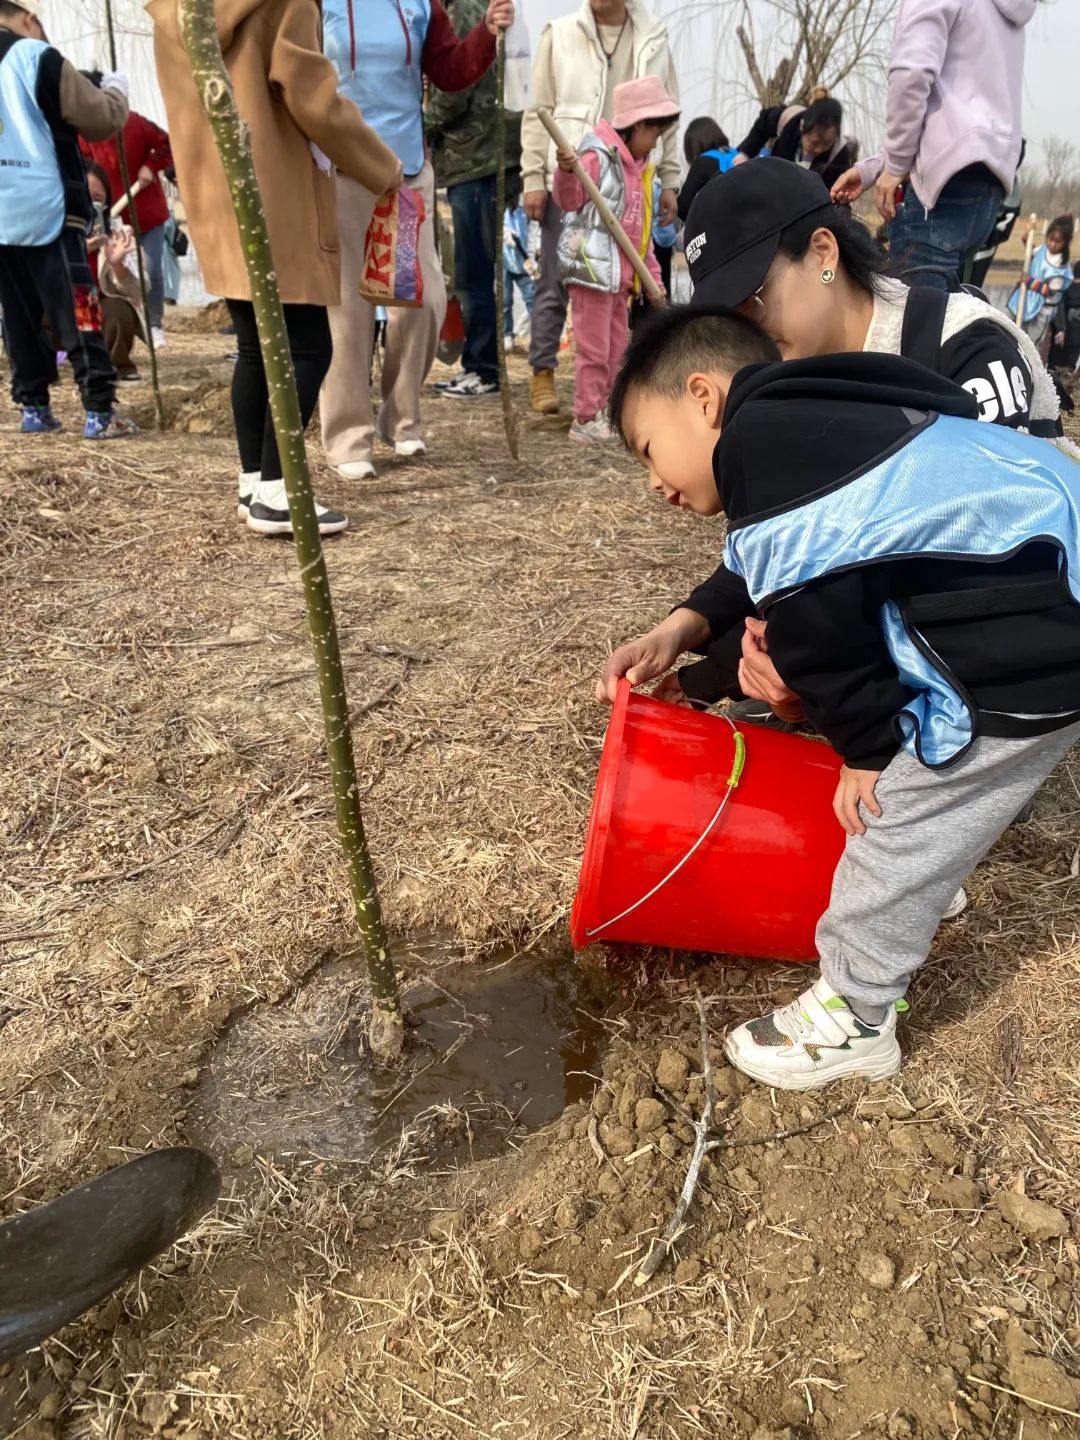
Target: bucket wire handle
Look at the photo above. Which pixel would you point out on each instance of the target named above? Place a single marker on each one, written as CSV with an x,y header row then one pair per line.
x,y
733,779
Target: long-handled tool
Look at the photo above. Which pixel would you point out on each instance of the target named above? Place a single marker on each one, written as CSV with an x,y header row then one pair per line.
x,y
125,200
641,270
62,1257
1021,303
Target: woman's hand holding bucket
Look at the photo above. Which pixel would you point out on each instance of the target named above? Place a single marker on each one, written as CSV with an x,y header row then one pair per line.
x,y
652,654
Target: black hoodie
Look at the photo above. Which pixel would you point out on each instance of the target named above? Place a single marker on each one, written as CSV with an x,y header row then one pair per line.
x,y
1008,632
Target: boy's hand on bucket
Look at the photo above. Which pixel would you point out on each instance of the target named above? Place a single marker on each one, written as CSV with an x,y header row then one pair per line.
x,y
651,655
856,787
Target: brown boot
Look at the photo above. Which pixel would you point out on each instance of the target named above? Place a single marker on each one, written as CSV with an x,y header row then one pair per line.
x,y
542,395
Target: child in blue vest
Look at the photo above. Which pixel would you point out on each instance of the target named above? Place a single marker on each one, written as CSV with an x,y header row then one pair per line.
x,y
1050,276
47,291
516,262
920,575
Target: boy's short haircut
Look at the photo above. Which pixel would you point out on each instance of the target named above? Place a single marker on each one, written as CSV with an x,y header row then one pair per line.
x,y
671,344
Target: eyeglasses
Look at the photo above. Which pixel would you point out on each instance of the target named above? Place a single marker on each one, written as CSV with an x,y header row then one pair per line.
x,y
757,296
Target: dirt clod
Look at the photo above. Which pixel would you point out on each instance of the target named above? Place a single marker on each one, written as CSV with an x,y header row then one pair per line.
x,y
1031,1217
877,1269
1037,1376
687,1271
649,1115
955,1193
672,1071
530,1243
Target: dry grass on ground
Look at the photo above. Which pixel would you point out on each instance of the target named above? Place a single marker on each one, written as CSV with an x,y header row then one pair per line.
x,y
170,859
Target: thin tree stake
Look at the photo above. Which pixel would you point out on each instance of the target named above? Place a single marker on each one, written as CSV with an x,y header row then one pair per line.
x,y
199,32
509,418
121,155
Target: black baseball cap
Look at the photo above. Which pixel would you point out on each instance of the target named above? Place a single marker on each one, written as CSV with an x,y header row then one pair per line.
x,y
734,225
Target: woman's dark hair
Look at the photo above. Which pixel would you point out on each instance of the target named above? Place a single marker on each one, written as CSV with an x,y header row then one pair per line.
x,y
703,134
1064,226
823,114
99,174
861,255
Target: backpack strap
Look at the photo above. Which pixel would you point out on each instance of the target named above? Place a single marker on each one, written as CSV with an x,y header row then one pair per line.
x,y
924,319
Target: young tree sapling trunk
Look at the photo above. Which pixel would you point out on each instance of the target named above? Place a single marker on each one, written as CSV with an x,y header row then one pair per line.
x,y
199,32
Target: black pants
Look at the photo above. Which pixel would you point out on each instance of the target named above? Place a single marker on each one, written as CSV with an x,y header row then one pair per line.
x,y
312,350
52,286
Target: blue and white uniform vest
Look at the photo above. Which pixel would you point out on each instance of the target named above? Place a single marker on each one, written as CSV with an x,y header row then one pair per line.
x,y
958,490
1043,267
31,187
377,47
725,159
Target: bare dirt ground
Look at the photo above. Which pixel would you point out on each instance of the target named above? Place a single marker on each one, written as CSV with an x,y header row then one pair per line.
x,y
906,1266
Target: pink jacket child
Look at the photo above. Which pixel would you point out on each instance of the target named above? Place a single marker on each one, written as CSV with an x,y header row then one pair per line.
x,y
615,156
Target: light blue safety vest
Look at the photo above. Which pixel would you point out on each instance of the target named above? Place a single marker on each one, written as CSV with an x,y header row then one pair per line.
x,y
957,489
31,188
377,47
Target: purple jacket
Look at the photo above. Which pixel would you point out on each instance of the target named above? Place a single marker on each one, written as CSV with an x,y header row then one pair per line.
x,y
955,78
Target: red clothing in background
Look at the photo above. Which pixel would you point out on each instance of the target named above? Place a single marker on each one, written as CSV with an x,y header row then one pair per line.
x,y
144,144
451,63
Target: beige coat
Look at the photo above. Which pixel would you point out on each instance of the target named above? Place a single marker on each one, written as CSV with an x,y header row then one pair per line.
x,y
286,91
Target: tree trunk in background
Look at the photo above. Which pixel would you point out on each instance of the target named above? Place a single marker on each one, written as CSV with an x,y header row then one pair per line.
x,y
199,31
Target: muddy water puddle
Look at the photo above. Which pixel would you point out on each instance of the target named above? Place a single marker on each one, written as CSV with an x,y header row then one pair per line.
x,y
496,1048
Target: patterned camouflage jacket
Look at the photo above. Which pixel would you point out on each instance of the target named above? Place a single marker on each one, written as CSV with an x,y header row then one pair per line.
x,y
461,128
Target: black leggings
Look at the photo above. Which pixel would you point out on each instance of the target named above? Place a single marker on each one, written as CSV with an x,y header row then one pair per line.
x,y
312,349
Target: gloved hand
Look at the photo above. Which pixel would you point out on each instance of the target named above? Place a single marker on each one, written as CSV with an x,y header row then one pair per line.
x,y
116,80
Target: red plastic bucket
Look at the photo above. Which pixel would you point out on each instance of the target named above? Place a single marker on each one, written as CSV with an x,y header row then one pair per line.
x,y
757,883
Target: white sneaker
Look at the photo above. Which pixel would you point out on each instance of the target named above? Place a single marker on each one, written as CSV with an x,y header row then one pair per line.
x,y
248,481
957,905
408,449
508,344
268,513
591,432
159,337
812,1041
356,470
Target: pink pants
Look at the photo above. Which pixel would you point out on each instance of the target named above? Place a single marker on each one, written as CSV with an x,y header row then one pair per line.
x,y
600,335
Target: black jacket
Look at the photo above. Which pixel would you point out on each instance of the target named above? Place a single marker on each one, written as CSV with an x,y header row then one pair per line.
x,y
1007,632
976,358
788,144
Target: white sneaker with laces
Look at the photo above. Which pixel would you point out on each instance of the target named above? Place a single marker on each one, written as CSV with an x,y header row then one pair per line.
x,y
814,1040
356,470
159,337
591,432
268,513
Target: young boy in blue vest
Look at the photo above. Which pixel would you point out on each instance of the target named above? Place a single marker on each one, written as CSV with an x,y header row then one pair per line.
x,y
920,575
45,276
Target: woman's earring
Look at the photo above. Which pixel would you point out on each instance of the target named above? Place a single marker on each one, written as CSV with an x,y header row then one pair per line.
x,y
828,275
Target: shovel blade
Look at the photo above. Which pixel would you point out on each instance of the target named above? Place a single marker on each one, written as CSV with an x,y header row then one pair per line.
x,y
61,1258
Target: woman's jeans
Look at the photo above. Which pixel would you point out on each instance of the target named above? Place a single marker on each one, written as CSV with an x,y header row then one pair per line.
x,y
473,206
153,248
943,238
526,285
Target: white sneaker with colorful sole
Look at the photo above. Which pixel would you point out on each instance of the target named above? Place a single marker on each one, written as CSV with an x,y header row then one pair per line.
x,y
813,1041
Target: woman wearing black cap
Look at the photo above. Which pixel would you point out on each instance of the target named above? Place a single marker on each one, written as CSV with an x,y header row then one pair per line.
x,y
766,241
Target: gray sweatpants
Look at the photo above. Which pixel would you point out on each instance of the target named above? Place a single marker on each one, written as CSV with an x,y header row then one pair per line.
x,y
893,883
549,307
